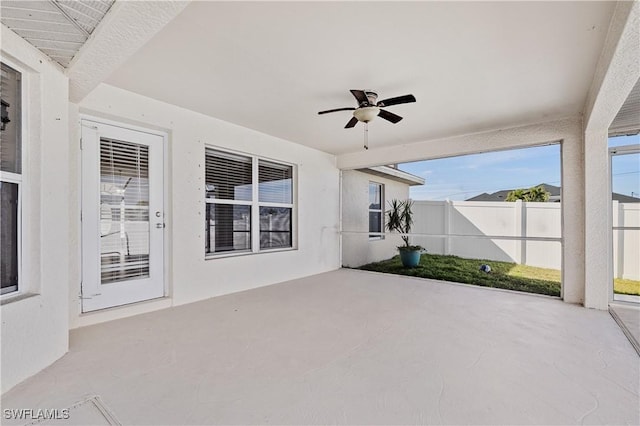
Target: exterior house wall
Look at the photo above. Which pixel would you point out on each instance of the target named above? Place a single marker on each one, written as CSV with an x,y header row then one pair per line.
x,y
357,248
35,325
191,276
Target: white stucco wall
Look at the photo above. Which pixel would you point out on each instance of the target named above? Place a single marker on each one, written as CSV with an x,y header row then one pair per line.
x,y
191,277
35,326
357,248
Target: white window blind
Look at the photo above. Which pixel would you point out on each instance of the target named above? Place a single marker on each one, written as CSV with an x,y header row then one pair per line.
x,y
124,210
275,182
228,176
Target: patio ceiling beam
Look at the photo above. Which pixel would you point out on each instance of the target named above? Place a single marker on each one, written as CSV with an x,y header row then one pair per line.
x,y
618,68
515,137
124,30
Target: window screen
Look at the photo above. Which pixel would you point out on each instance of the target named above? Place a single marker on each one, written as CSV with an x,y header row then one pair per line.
x,y
275,227
9,236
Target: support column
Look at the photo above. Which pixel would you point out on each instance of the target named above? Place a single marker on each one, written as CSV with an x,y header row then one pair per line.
x,y
573,261
598,245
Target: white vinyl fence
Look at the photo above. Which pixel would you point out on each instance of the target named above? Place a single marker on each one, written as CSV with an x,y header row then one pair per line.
x,y
626,243
464,228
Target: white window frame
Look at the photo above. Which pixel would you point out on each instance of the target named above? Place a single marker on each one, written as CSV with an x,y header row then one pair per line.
x,y
19,178
380,210
255,205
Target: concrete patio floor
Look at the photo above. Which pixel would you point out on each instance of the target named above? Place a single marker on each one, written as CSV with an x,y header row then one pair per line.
x,y
627,315
351,347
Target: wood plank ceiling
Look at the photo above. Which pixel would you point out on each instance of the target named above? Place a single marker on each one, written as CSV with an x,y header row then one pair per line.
x,y
627,122
58,28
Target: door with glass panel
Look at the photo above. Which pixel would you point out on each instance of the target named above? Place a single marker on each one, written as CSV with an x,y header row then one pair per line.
x,y
122,216
625,195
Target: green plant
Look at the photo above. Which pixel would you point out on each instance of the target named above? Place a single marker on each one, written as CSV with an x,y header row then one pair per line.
x,y
534,194
400,219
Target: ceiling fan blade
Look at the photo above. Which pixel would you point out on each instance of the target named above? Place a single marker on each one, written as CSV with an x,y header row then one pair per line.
x,y
397,100
389,116
351,123
360,96
337,109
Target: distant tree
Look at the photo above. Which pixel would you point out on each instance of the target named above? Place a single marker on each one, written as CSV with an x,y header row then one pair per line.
x,y
533,194
516,194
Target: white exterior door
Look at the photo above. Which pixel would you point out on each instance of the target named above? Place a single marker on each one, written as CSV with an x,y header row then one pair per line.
x,y
122,216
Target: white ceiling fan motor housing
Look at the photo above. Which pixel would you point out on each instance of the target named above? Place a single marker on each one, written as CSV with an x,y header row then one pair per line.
x,y
366,114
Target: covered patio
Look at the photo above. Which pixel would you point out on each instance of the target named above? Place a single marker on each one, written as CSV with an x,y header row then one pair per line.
x,y
349,347
176,212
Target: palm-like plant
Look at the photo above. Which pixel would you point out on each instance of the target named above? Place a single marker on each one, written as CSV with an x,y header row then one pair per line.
x,y
535,194
400,219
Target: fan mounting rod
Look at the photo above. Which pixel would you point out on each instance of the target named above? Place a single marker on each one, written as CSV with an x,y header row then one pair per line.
x,y
372,97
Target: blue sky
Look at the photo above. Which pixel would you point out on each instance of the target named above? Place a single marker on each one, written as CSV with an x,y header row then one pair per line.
x,y
460,178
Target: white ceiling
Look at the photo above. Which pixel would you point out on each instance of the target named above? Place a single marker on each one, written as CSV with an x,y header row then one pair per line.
x,y
58,28
472,66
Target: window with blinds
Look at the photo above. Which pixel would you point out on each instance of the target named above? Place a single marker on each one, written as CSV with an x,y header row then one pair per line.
x,y
275,182
124,210
376,210
229,195
10,177
276,204
249,203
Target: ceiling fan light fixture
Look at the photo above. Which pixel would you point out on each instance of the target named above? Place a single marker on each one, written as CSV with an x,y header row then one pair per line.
x,y
366,114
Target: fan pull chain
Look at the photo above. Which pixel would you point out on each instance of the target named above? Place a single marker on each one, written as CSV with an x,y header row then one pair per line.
x,y
366,135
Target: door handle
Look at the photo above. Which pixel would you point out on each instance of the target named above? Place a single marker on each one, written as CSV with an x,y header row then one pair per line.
x,y
159,225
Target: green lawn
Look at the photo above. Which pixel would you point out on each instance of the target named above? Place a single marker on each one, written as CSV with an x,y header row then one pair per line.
x,y
622,286
505,275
